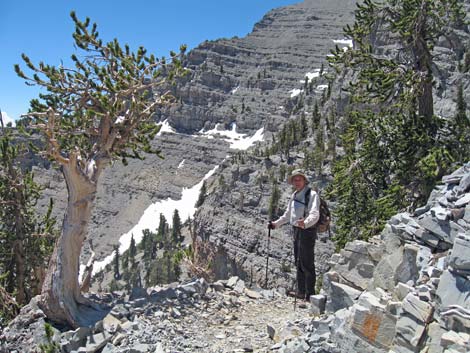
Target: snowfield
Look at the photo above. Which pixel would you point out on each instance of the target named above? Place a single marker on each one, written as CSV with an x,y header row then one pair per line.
x,y
311,75
166,127
151,218
237,140
345,44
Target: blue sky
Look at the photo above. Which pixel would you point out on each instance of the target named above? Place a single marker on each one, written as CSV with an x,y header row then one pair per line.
x,y
43,31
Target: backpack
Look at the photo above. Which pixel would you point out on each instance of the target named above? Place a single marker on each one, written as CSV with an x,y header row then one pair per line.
x,y
323,224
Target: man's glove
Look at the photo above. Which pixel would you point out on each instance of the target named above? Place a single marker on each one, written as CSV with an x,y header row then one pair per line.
x,y
271,225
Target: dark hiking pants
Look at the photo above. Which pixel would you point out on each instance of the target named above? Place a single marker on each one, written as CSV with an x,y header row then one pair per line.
x,y
304,244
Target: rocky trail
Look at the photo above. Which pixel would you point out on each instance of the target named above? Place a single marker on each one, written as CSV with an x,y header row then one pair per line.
x,y
224,316
232,320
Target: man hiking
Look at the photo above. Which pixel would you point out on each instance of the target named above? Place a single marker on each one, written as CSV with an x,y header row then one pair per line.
x,y
302,213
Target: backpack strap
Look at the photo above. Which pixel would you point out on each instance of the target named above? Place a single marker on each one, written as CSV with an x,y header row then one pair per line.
x,y
307,200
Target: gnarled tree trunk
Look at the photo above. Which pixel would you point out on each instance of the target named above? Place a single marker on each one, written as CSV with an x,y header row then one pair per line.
x,y
62,300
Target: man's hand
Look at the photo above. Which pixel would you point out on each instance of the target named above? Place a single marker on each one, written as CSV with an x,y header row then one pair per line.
x,y
271,225
300,223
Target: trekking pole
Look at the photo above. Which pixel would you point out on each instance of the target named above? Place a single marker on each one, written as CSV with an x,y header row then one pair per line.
x,y
267,257
296,271
295,280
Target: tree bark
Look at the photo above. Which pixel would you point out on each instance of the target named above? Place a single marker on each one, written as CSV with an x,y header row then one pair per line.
x,y
61,298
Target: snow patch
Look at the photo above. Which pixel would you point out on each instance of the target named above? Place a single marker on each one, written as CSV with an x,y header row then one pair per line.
x,y
181,164
237,141
322,87
246,142
151,218
311,75
233,91
295,92
166,127
7,119
345,43
80,273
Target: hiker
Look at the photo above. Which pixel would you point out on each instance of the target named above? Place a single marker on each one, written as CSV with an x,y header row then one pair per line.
x,y
303,212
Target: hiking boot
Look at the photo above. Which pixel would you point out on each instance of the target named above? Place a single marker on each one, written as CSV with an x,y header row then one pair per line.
x,y
294,294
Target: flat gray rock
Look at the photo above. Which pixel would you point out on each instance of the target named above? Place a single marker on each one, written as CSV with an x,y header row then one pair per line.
x,y
459,258
420,310
453,290
341,296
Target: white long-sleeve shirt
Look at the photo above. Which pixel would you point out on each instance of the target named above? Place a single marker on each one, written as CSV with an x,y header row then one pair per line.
x,y
295,209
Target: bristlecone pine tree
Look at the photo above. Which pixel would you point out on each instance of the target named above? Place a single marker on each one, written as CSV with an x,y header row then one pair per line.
x,y
26,241
395,150
95,112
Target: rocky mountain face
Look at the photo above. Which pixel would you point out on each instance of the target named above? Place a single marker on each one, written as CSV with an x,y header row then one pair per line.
x,y
236,225
244,81
249,80
404,291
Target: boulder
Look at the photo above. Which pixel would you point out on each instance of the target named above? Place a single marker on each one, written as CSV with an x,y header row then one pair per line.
x,y
456,318
402,290
453,290
355,264
341,296
239,287
464,184
198,286
374,325
111,323
271,331
218,286
452,338
252,294
433,340
322,326
407,270
423,257
409,333
462,201
446,231
420,310
96,342
317,303
232,281
453,178
297,345
288,332
459,258
384,273
72,340
466,217
440,213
